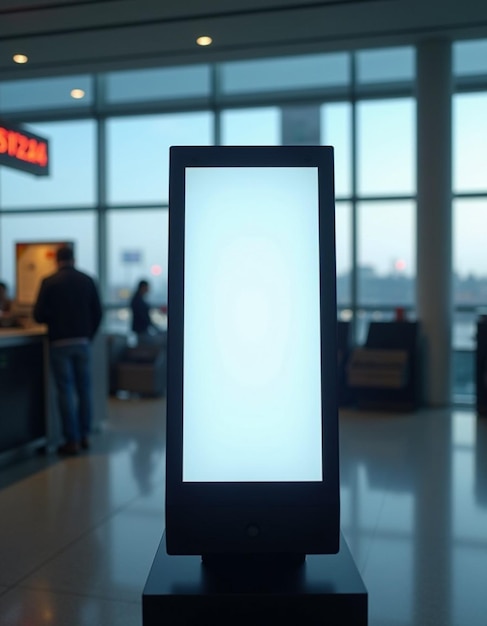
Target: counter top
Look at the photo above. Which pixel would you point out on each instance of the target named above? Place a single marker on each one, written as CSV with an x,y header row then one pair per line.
x,y
29,331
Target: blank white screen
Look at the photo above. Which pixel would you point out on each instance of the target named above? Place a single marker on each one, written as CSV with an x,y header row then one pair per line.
x,y
252,367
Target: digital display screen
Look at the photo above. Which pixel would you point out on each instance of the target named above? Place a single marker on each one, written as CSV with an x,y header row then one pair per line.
x,y
23,150
252,342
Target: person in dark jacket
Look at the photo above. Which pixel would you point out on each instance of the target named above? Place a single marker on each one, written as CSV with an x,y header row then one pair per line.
x,y
68,302
142,324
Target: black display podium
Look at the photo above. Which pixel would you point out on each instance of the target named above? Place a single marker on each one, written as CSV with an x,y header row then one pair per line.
x,y
326,590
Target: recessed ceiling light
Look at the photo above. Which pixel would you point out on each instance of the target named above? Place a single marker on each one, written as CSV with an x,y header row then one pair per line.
x,y
204,40
77,94
20,58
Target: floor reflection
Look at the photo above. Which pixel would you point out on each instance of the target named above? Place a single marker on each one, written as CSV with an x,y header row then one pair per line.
x,y
80,534
414,491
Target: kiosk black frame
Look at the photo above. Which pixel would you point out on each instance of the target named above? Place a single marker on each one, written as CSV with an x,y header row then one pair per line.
x,y
263,518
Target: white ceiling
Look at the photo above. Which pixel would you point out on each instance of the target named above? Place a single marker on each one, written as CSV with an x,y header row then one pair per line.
x,y
71,36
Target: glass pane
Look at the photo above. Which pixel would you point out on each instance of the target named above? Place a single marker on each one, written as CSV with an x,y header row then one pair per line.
x,y
386,253
470,142
137,250
386,147
158,84
336,127
343,228
79,227
286,73
71,181
464,330
463,375
470,57
138,153
251,127
469,258
386,65
46,93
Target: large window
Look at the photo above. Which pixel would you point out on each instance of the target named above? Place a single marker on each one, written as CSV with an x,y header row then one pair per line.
x,y
385,227
469,208
111,171
469,288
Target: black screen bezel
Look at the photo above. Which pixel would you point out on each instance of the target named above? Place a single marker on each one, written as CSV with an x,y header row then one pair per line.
x,y
185,496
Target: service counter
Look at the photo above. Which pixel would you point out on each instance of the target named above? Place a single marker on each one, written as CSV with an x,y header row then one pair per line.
x,y
23,391
29,418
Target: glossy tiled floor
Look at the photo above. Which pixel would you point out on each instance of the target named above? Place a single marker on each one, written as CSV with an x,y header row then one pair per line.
x,y
78,535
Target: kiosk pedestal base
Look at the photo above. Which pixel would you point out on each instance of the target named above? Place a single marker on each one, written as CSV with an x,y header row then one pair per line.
x,y
326,590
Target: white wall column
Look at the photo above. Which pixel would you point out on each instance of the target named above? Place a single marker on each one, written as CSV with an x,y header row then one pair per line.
x,y
434,216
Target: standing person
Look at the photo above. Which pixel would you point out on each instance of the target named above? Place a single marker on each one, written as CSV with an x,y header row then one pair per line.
x,y
68,302
141,320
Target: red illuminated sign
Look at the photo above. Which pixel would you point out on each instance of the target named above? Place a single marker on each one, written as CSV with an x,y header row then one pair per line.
x,y
23,150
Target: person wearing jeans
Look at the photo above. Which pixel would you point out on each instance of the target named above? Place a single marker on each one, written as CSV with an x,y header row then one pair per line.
x,y
71,367
68,302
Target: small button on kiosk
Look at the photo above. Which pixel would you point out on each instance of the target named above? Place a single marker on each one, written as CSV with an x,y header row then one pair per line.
x,y
252,479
